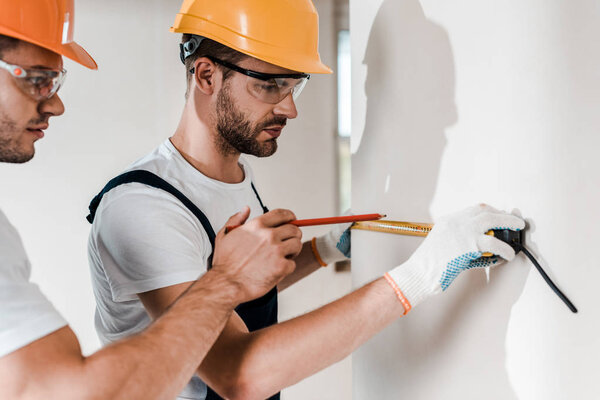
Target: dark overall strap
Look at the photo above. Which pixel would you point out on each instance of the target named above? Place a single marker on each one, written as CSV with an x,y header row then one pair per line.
x,y
150,179
265,209
256,314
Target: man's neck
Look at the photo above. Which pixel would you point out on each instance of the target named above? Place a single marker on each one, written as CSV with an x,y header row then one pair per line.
x,y
195,142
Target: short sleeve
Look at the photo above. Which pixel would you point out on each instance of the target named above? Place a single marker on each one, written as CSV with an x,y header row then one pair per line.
x,y
26,315
146,239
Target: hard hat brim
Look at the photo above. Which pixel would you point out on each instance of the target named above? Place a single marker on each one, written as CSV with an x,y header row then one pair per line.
x,y
71,50
78,54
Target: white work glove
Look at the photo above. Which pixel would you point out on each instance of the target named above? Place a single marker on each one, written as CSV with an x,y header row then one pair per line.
x,y
456,243
333,246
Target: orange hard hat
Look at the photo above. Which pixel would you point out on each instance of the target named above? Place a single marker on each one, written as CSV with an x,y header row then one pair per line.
x,y
46,23
280,32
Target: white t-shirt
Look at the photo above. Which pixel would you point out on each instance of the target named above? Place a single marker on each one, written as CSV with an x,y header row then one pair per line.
x,y
144,239
26,315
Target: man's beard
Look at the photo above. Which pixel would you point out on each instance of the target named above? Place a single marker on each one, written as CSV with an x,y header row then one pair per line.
x,y
238,135
9,145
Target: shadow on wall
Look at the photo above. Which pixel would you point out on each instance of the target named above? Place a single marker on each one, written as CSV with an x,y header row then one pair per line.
x,y
436,351
410,92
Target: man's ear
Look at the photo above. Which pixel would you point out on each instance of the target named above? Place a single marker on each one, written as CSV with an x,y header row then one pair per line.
x,y
205,72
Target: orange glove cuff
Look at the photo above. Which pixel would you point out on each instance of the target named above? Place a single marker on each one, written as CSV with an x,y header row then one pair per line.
x,y
399,294
313,246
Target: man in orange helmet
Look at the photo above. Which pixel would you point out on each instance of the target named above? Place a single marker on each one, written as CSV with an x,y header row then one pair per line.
x,y
246,62
40,356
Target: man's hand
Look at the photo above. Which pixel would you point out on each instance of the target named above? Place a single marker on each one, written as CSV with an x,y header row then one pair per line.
x,y
258,254
456,243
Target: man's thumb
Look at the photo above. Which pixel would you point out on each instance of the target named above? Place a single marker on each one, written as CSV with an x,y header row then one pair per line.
x,y
239,218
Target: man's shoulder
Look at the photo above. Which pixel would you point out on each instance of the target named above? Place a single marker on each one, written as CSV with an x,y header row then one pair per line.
x,y
166,163
6,228
155,161
25,313
13,259
138,200
135,194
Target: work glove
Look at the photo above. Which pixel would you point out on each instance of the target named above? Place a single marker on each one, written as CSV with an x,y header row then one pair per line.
x,y
456,243
333,246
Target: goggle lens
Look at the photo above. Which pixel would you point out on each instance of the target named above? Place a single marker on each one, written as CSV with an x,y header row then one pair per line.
x,y
275,90
38,83
41,86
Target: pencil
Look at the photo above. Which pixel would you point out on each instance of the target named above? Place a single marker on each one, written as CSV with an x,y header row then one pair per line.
x,y
326,221
337,220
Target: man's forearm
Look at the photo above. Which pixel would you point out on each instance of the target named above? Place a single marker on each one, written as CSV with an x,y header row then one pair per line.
x,y
160,361
155,364
306,264
307,344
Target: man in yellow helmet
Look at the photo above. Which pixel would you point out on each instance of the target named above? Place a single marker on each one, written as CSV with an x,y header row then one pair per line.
x,y
40,357
154,226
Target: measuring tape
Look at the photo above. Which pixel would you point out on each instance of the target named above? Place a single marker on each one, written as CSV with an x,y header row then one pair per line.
x,y
419,229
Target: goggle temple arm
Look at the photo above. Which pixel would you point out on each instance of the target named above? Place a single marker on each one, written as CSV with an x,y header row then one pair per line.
x,y
188,48
300,87
14,70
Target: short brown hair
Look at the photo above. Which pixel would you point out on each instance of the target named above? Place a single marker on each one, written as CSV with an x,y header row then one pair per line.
x,y
209,47
7,43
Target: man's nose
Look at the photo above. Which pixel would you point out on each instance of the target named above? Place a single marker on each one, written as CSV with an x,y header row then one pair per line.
x,y
53,106
286,107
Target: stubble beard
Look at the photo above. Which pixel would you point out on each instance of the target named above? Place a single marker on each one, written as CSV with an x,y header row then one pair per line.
x,y
9,144
236,134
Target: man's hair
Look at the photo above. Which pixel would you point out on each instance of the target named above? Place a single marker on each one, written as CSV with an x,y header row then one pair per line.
x,y
7,43
211,48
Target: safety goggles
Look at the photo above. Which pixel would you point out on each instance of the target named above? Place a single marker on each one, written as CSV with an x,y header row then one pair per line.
x,y
40,84
269,88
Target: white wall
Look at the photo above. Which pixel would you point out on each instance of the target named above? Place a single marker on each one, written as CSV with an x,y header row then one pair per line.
x,y
462,102
124,110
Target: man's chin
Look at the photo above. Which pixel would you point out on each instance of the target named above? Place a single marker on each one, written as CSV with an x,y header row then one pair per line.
x,y
13,157
268,149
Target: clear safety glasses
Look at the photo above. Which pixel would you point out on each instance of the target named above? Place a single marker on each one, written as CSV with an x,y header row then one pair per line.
x,y
40,84
270,88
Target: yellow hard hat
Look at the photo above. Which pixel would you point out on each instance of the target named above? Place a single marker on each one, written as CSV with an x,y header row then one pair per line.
x,y
45,23
281,32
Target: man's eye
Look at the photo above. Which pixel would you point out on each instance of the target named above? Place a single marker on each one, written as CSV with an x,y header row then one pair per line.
x,y
38,81
269,87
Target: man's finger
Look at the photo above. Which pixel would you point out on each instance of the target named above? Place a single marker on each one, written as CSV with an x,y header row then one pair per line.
x,y
287,231
487,221
292,247
490,244
277,217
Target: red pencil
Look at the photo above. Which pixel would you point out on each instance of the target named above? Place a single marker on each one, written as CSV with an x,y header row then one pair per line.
x,y
327,221
337,220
